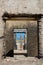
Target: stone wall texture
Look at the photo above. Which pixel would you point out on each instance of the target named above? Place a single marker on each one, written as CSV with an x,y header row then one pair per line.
x,y
21,6
31,26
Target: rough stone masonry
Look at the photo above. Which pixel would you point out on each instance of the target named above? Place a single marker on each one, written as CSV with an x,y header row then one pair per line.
x,y
21,6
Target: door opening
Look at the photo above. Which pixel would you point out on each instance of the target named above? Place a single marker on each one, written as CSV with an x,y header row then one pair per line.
x,y
20,36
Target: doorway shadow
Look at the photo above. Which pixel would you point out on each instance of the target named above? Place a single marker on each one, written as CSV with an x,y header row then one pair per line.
x,y
10,54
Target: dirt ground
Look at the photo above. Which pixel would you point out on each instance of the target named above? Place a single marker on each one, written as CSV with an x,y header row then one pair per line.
x,y
21,60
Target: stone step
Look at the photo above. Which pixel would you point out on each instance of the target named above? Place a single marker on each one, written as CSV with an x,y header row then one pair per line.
x,y
20,51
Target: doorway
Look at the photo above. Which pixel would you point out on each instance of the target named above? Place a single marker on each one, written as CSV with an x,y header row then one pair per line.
x,y
29,21
20,45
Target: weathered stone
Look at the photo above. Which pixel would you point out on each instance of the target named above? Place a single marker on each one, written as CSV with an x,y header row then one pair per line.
x,y
21,6
41,37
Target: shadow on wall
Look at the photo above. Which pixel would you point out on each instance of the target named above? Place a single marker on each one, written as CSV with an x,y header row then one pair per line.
x,y
9,41
32,40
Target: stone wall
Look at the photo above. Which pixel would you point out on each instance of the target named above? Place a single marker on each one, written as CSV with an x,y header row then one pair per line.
x,y
31,26
41,36
32,39
19,6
